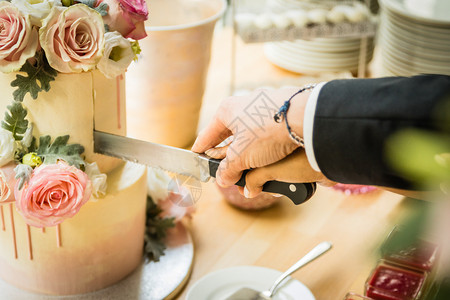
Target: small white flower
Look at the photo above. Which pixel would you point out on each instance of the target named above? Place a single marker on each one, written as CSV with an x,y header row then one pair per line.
x,y
157,184
36,9
117,55
7,147
98,180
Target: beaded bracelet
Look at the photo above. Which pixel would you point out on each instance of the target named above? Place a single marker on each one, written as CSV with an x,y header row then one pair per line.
x,y
282,114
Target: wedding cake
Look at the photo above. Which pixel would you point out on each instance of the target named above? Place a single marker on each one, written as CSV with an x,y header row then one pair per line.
x,y
71,221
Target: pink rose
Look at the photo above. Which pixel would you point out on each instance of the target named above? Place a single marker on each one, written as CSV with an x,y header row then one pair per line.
x,y
73,38
6,181
54,193
127,17
177,205
18,39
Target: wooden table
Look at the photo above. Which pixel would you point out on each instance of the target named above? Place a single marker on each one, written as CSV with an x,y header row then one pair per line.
x,y
279,236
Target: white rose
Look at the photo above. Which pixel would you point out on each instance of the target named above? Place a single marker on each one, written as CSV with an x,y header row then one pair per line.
x,y
36,9
117,55
157,184
73,38
98,180
7,147
18,39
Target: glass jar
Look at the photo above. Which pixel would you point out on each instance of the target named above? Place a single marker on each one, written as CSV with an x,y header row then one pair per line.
x,y
391,282
418,254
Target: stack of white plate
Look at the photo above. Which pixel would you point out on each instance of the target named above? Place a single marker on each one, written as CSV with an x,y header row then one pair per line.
x,y
414,36
319,55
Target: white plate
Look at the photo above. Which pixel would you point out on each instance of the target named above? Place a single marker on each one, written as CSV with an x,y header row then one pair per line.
x,y
413,48
416,28
438,42
223,283
415,25
312,61
416,62
327,50
434,12
303,67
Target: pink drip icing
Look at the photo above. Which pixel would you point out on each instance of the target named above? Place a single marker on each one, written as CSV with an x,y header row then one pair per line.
x,y
118,79
3,218
30,246
58,236
13,229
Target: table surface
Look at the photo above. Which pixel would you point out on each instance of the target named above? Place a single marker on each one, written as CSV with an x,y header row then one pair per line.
x,y
277,237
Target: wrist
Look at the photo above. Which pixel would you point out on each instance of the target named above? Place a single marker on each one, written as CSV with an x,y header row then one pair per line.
x,y
296,112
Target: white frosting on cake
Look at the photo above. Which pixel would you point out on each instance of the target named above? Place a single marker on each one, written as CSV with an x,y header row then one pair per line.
x,y
103,242
69,108
99,246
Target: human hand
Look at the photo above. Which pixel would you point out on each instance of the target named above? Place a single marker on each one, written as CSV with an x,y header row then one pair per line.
x,y
294,168
257,139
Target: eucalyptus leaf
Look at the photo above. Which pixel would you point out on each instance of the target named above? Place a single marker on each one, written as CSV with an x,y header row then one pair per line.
x,y
15,120
39,76
60,150
23,174
155,231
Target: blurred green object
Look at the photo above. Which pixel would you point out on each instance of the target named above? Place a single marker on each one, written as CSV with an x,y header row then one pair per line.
x,y
422,156
440,291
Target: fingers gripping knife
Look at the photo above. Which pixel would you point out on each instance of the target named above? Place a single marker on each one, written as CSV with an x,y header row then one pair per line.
x,y
186,162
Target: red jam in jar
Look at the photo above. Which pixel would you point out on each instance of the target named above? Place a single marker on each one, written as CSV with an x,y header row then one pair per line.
x,y
421,255
392,283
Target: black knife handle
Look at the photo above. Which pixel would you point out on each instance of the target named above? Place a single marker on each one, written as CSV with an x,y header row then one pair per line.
x,y
297,192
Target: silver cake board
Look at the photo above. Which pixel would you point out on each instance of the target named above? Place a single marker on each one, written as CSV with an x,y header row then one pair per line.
x,y
150,281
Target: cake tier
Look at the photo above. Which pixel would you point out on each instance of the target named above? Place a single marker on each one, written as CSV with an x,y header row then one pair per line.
x,y
99,246
73,105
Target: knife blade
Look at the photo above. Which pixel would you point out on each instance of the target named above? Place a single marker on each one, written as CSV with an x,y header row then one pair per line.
x,y
185,162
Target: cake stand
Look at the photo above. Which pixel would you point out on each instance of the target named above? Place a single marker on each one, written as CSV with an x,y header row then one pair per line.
x,y
161,280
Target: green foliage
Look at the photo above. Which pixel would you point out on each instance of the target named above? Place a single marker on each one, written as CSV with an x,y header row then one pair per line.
x,y
102,8
410,229
421,156
155,231
15,120
23,174
37,80
60,150
136,48
67,3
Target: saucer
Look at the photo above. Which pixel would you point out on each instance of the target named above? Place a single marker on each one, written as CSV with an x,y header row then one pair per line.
x,y
222,283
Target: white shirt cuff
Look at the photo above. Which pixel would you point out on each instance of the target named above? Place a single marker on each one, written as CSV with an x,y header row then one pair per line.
x,y
308,125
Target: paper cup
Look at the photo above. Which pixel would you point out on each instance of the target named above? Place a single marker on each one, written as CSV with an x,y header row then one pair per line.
x,y
165,87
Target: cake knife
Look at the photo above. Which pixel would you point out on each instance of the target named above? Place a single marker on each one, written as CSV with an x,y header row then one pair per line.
x,y
185,162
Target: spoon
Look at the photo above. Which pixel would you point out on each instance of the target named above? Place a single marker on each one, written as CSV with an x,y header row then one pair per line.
x,y
250,294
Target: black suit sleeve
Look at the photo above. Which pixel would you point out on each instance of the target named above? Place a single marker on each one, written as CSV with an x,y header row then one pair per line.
x,y
354,118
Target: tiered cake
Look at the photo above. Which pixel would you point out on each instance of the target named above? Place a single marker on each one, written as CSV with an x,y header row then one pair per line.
x,y
71,221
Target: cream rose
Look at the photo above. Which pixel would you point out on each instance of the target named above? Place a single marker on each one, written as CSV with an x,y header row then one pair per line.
x,y
36,9
98,180
157,184
54,193
18,39
7,147
73,38
7,181
117,56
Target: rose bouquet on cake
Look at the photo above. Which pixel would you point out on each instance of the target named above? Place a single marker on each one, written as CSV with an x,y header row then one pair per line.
x,y
44,37
48,178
